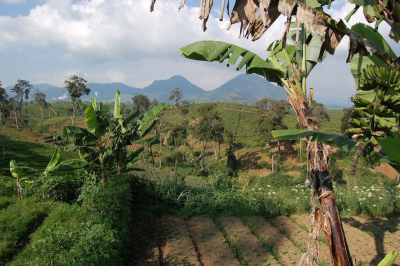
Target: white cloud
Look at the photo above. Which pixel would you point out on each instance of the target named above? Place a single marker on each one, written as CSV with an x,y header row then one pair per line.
x,y
143,83
66,56
115,76
121,41
38,57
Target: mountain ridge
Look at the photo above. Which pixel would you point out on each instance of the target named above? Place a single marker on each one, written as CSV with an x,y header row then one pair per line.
x,y
243,89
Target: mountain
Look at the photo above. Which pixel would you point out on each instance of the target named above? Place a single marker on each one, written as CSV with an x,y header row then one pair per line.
x,y
161,89
244,89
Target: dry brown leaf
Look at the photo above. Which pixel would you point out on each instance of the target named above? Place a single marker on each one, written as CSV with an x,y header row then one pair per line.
x,y
314,22
245,12
269,11
256,29
221,17
181,5
205,7
152,5
287,8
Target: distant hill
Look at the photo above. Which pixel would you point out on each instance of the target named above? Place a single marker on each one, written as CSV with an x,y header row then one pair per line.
x,y
244,89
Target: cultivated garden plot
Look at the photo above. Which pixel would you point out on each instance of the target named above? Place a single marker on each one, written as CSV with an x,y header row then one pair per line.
x,y
287,252
211,243
383,230
300,237
179,248
249,249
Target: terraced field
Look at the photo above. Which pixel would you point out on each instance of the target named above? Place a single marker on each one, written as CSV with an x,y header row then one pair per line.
x,y
171,240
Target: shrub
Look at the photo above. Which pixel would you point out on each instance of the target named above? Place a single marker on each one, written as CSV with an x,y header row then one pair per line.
x,y
65,188
17,222
69,236
7,186
6,201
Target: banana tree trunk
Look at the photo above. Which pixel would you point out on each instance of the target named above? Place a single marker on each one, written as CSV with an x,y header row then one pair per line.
x,y
327,217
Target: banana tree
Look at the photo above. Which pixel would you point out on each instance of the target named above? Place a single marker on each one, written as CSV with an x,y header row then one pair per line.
x,y
283,67
103,143
19,172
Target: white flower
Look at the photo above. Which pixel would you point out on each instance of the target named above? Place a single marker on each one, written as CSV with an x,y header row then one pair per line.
x,y
268,186
259,189
273,193
374,205
380,197
252,189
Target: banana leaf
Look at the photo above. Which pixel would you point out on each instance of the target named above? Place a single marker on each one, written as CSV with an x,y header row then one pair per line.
x,y
152,113
343,142
53,162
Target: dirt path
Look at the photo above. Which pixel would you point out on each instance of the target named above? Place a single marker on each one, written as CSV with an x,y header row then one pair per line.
x,y
227,241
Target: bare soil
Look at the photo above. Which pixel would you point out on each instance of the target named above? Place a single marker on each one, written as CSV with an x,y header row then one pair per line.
x,y
171,240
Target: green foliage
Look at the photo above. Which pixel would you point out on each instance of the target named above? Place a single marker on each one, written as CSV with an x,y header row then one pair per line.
x,y
345,125
17,222
7,187
6,201
93,144
111,204
37,155
69,236
141,102
64,188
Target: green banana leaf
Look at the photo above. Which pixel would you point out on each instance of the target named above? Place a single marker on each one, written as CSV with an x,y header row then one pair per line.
x,y
96,120
370,10
130,118
117,106
53,162
391,147
389,259
17,171
343,142
359,62
152,113
219,51
79,133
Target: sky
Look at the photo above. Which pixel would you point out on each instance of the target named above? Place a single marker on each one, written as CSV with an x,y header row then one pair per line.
x,y
103,41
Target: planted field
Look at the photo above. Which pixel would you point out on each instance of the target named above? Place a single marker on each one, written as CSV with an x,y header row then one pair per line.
x,y
251,241
28,154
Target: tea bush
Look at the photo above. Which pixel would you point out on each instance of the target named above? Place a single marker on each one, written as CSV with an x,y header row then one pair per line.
x,y
6,201
17,222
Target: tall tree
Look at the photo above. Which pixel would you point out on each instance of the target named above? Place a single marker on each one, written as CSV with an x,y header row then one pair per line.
x,y
177,136
13,100
176,95
39,98
76,87
21,89
141,102
3,101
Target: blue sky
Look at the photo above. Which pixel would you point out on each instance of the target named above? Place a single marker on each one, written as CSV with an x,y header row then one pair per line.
x,y
47,41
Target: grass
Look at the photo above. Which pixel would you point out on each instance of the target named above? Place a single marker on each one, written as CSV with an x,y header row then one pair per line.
x,y
28,154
